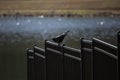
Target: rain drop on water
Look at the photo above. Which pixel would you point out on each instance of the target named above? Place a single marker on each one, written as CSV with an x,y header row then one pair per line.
x,y
42,16
59,19
39,22
17,23
101,23
28,20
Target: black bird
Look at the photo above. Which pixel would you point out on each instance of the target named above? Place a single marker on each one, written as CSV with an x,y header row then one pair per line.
x,y
58,39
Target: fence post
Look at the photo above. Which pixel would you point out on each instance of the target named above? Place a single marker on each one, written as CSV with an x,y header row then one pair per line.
x,y
63,61
81,40
118,44
34,62
30,64
54,61
39,63
93,58
86,55
45,60
72,63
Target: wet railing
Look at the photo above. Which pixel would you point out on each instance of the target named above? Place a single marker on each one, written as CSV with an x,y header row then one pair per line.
x,y
95,60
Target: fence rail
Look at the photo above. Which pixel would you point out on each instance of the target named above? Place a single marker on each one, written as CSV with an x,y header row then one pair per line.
x,y
104,60
95,60
105,46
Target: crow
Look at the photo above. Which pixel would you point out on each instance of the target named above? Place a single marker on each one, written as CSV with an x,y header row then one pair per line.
x,y
58,39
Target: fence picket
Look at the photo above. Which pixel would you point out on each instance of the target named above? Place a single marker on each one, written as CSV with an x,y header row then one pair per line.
x,y
72,64
96,60
30,65
54,61
86,53
118,54
105,46
39,63
104,63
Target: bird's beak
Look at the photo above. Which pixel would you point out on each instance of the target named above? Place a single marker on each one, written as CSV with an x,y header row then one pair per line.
x,y
68,31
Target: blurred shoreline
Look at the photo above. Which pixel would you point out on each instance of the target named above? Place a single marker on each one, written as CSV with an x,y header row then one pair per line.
x,y
62,13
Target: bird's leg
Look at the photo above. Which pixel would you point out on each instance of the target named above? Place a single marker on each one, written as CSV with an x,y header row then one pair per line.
x,y
59,44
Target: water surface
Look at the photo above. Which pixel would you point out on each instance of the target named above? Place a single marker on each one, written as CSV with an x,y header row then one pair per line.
x,y
18,33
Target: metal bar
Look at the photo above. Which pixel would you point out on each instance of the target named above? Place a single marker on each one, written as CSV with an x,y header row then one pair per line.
x,y
69,50
30,57
87,43
30,64
29,52
105,46
86,53
39,66
39,50
83,75
40,55
45,60
106,53
93,53
52,50
52,45
104,63
118,54
87,50
71,63
53,62
63,62
72,51
73,57
39,63
53,65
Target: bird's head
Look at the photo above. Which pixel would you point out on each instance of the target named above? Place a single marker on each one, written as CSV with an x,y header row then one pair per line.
x,y
67,31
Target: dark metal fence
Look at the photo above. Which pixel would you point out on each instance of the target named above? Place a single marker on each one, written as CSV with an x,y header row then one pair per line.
x,y
54,63
86,52
96,60
30,64
39,63
104,60
72,64
118,54
62,62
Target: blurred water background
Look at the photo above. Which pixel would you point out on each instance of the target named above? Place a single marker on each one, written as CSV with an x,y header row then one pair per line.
x,y
19,33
